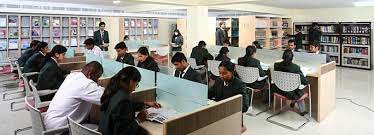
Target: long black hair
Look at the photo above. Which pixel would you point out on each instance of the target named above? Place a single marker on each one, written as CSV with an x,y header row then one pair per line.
x,y
230,67
56,49
250,50
223,51
287,56
124,75
40,46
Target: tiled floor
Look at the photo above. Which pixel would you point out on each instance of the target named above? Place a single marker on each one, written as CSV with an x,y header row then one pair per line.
x,y
347,119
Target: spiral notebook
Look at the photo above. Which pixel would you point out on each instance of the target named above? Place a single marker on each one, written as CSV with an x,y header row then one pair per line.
x,y
161,114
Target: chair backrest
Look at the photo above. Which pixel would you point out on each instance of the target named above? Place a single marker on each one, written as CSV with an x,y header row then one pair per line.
x,y
285,81
27,86
213,67
163,51
77,129
248,74
192,62
18,69
36,94
36,118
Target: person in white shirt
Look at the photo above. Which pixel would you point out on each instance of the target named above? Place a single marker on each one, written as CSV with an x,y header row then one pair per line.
x,y
92,49
316,49
183,69
75,96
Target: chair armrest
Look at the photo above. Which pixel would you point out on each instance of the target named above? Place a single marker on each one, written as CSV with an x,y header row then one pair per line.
x,y
56,130
199,67
262,78
302,86
30,74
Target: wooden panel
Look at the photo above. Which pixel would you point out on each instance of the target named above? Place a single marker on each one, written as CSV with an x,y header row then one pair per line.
x,y
314,86
74,59
121,28
72,65
247,28
78,54
328,67
230,125
204,117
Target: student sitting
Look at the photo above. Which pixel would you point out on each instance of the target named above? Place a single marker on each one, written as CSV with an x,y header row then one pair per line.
x,y
75,96
146,61
122,55
315,47
291,45
287,66
201,54
92,48
28,53
183,69
229,85
249,60
223,54
36,61
51,76
118,111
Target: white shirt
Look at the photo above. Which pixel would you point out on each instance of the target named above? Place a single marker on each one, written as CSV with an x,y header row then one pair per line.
x,y
184,71
317,52
96,51
74,98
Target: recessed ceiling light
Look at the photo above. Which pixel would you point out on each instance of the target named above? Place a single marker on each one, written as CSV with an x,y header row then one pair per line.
x,y
116,1
364,3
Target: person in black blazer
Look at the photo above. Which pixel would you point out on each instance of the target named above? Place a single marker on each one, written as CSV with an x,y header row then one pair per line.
x,y
201,54
223,54
28,53
101,37
315,47
51,76
288,66
221,35
291,45
118,111
146,61
122,55
183,69
36,61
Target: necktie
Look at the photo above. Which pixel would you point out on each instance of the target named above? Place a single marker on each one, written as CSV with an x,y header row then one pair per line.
x,y
181,74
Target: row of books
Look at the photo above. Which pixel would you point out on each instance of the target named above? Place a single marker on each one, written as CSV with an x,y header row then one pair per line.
x,y
333,49
140,31
141,23
261,23
357,29
330,39
362,51
328,29
260,34
356,40
45,21
356,61
304,29
334,58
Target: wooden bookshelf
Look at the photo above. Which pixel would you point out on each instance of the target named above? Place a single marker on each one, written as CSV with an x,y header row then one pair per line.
x,y
347,43
140,28
18,30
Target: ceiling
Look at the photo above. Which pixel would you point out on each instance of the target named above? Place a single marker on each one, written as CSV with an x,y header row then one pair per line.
x,y
305,4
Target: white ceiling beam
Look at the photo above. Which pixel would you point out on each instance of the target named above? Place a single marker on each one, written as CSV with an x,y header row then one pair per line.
x,y
150,7
169,2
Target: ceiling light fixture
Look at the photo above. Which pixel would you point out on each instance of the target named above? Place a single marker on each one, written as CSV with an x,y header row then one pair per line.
x,y
116,1
366,3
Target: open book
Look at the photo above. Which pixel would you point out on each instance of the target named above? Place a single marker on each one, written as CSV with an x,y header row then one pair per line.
x,y
161,114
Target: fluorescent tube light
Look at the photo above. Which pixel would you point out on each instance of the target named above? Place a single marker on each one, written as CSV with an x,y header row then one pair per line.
x,y
366,3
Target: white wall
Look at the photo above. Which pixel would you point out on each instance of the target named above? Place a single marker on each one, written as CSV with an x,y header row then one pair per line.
x,y
164,34
353,14
112,26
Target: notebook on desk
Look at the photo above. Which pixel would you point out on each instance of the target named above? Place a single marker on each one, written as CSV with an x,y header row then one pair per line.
x,y
161,114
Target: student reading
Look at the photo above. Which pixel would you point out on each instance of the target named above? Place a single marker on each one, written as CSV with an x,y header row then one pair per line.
x,y
92,49
223,54
315,47
36,61
75,96
28,53
288,66
183,69
201,54
122,55
146,61
118,111
51,76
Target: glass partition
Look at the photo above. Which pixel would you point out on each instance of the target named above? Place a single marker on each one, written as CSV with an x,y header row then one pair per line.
x,y
111,67
91,57
69,53
148,78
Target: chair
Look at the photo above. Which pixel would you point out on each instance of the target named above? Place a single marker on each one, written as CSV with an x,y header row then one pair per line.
x,y
37,93
26,90
250,75
162,56
213,67
38,126
288,82
78,129
192,62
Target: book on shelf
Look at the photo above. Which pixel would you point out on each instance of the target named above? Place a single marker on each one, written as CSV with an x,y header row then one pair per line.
x,y
46,32
150,23
35,22
45,22
13,43
126,31
126,23
91,22
132,23
25,43
2,21
56,32
356,61
3,44
260,23
13,21
328,29
25,32
161,114
330,39
65,31
56,41
65,21
82,32
334,58
82,22
73,22
90,32
56,22
73,31
138,23
74,42
25,21
35,32
357,29
356,40
155,23
362,51
145,31
145,23
3,33
13,32
65,41
47,40
331,49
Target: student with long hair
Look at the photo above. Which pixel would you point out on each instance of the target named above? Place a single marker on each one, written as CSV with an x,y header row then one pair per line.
x,y
118,111
223,54
146,61
27,53
36,61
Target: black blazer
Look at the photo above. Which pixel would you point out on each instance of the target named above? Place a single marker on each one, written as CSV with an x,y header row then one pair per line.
x,y
127,59
220,92
51,76
118,116
149,64
98,40
25,56
191,75
34,63
221,36
222,58
201,55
